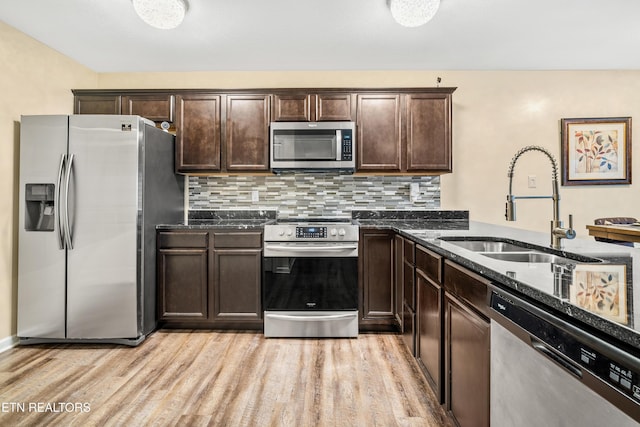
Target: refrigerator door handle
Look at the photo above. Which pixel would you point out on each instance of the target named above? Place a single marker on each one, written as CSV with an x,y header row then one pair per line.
x,y
67,233
58,208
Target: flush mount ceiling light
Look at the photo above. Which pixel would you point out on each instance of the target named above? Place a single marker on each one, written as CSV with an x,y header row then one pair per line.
x,y
162,14
413,13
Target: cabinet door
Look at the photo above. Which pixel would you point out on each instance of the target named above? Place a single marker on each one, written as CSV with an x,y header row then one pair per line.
x,y
293,108
467,351
198,133
247,132
182,284
379,142
97,104
408,278
183,276
429,132
333,107
237,284
376,277
409,330
398,276
158,108
429,331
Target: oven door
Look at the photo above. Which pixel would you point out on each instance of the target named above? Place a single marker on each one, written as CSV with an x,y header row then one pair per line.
x,y
311,290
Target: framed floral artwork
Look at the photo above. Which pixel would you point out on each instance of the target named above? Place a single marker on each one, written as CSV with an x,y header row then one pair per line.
x,y
596,151
602,290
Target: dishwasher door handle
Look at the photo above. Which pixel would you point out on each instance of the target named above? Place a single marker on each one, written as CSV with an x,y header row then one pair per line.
x,y
560,360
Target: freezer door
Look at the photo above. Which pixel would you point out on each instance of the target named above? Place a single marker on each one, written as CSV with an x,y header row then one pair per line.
x,y
104,206
41,260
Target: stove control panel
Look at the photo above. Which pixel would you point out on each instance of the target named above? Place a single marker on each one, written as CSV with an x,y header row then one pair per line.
x,y
311,232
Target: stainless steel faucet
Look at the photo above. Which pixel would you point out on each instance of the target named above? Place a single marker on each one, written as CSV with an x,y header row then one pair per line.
x,y
557,231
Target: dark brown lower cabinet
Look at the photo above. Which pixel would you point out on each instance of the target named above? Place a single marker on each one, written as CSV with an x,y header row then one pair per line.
x,y
238,269
210,278
409,328
467,346
398,279
429,334
408,318
183,276
409,295
376,279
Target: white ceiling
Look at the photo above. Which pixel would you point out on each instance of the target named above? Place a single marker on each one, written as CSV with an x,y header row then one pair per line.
x,y
107,36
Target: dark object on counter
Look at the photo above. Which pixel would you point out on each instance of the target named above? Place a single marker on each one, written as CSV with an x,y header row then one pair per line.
x,y
619,220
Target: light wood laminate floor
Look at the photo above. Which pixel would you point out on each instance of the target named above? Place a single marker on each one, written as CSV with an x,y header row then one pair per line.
x,y
219,379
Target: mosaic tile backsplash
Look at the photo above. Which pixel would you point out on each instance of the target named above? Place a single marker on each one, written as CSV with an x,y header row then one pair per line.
x,y
305,194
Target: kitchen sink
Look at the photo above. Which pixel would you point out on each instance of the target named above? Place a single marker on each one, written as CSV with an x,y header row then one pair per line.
x,y
534,257
488,246
515,251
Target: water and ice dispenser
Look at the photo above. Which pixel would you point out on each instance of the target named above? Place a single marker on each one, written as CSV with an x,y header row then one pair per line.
x,y
40,207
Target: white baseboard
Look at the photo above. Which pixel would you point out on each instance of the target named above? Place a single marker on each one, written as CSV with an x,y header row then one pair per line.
x,y
8,343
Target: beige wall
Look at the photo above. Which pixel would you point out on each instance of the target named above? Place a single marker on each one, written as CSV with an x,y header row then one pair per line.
x,y
495,114
33,80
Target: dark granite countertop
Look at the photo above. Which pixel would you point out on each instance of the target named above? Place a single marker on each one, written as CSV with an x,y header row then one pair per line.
x,y
240,224
555,286
237,220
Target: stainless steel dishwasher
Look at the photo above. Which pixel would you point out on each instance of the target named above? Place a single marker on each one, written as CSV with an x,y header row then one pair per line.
x,y
548,372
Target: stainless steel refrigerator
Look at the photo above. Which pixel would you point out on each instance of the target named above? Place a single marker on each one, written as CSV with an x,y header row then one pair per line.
x,y
92,190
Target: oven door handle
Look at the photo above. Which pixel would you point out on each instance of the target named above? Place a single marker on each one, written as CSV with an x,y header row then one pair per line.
x,y
313,248
306,318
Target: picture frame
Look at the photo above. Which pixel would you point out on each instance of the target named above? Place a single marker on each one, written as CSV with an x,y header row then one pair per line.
x,y
596,151
602,289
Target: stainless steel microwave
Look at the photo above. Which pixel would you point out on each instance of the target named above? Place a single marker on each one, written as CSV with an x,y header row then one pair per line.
x,y
312,146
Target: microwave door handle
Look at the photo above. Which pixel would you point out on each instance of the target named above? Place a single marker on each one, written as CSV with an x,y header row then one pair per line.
x,y
338,144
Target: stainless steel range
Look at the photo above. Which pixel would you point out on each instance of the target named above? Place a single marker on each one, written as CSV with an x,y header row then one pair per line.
x,y
310,278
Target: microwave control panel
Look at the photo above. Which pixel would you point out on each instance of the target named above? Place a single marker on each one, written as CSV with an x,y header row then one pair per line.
x,y
347,144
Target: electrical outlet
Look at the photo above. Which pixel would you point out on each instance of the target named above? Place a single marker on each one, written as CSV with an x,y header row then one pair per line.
x,y
532,181
255,195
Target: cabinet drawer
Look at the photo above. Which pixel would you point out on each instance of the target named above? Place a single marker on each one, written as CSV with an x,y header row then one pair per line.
x,y
183,240
234,239
429,263
409,253
467,286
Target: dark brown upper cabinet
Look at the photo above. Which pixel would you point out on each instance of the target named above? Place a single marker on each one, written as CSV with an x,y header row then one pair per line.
x,y
304,107
379,136
404,130
157,108
97,104
292,107
198,133
428,130
247,132
334,107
